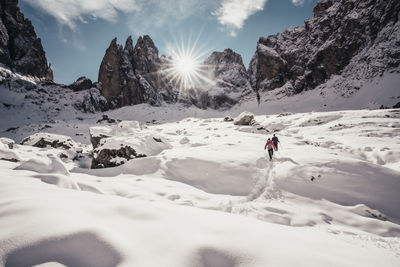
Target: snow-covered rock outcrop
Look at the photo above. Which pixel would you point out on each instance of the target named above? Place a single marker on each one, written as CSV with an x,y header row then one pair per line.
x,y
44,140
6,143
70,149
116,144
350,41
244,118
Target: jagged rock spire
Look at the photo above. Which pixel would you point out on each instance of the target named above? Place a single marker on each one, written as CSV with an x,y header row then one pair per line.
x,y
20,48
122,83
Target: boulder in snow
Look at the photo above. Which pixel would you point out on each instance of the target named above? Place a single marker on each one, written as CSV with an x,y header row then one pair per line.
x,y
44,140
114,145
245,118
105,118
228,118
7,142
6,153
108,157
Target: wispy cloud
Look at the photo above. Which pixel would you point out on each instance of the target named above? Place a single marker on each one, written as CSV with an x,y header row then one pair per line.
x,y
233,13
298,2
166,13
68,12
143,15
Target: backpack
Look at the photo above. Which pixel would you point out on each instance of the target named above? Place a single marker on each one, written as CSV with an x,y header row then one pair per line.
x,y
270,145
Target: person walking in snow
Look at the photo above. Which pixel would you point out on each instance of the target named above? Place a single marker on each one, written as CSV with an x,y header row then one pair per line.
x,y
275,140
270,145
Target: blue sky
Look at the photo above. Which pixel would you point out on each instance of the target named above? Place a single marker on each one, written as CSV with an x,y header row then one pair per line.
x,y
76,33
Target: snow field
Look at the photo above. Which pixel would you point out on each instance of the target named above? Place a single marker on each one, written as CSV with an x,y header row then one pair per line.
x,y
212,198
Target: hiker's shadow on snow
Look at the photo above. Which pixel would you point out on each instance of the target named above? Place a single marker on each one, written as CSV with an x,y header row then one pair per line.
x,y
264,162
83,249
286,160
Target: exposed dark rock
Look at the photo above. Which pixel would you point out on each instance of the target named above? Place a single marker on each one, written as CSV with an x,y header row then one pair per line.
x,y
63,156
10,159
20,48
106,119
397,105
82,83
106,158
43,143
228,119
12,129
95,139
157,139
152,122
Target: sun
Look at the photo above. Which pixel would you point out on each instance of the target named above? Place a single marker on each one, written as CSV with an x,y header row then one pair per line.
x,y
184,66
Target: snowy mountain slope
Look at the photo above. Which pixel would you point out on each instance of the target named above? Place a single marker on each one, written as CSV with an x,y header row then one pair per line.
x,y
329,197
379,92
28,105
346,45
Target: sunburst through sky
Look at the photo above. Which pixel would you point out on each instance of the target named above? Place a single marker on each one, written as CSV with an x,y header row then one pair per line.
x,y
185,67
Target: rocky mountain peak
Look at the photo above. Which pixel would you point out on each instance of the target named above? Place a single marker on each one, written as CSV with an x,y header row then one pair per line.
x,y
120,78
129,44
230,76
108,72
20,48
145,55
302,58
227,56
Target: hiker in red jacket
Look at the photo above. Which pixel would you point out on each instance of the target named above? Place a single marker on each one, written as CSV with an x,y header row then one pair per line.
x,y
270,145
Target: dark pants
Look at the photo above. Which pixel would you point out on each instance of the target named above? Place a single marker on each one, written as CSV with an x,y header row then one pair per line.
x,y
270,152
276,146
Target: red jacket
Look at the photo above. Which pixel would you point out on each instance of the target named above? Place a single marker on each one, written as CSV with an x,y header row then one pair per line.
x,y
270,145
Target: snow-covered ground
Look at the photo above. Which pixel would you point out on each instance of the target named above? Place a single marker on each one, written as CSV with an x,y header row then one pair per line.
x,y
330,196
207,195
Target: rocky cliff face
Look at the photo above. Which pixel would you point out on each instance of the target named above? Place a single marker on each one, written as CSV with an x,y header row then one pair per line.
x,y
356,39
128,75
230,76
20,48
133,75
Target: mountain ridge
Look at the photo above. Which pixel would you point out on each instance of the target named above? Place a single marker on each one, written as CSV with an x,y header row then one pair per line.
x,y
344,48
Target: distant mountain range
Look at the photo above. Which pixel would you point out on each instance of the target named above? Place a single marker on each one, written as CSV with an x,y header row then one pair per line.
x,y
345,46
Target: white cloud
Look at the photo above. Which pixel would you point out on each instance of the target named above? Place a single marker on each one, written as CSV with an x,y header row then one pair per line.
x,y
67,12
233,13
298,2
144,15
167,13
